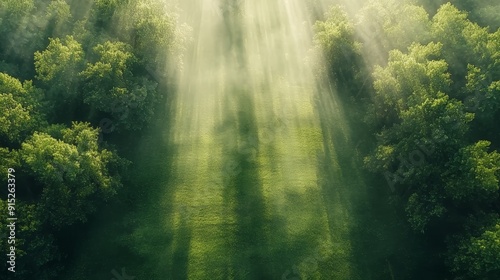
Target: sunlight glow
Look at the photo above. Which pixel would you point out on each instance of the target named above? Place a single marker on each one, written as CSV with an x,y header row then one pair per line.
x,y
246,110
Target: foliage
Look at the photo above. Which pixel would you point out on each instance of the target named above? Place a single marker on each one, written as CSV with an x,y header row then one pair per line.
x,y
152,32
408,79
15,121
335,38
476,256
146,25
464,42
58,67
473,175
75,173
36,250
425,207
426,108
111,87
391,24
20,30
440,122
58,16
103,10
484,12
10,158
13,14
92,59
19,110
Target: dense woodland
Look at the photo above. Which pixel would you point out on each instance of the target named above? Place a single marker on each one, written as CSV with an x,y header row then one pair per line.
x,y
422,75
72,73
434,112
433,109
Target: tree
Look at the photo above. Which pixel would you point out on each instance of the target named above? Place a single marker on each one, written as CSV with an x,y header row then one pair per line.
x,y
36,251
102,12
425,207
427,105
439,122
13,15
19,110
488,14
335,38
15,121
407,80
58,67
152,32
25,93
111,87
426,127
20,32
472,176
73,171
483,12
477,256
388,24
483,93
10,158
58,17
464,42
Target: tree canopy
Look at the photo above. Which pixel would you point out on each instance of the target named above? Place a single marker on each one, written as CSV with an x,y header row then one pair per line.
x,y
75,172
111,87
64,67
434,112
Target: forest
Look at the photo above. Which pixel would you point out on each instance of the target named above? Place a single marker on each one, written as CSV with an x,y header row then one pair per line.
x,y
232,139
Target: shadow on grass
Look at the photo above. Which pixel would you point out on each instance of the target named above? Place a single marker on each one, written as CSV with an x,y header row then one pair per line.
x,y
181,251
243,196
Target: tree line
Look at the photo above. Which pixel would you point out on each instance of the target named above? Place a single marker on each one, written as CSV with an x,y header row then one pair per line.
x,y
65,66
432,107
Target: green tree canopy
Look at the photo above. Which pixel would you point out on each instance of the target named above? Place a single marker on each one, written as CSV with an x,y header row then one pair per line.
x,y
391,24
407,80
335,38
425,207
19,110
15,121
74,172
439,122
415,150
13,15
58,67
20,30
58,16
464,42
152,31
111,87
36,250
476,256
473,175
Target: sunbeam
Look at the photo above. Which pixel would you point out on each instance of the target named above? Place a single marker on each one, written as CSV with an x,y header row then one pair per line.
x,y
249,139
